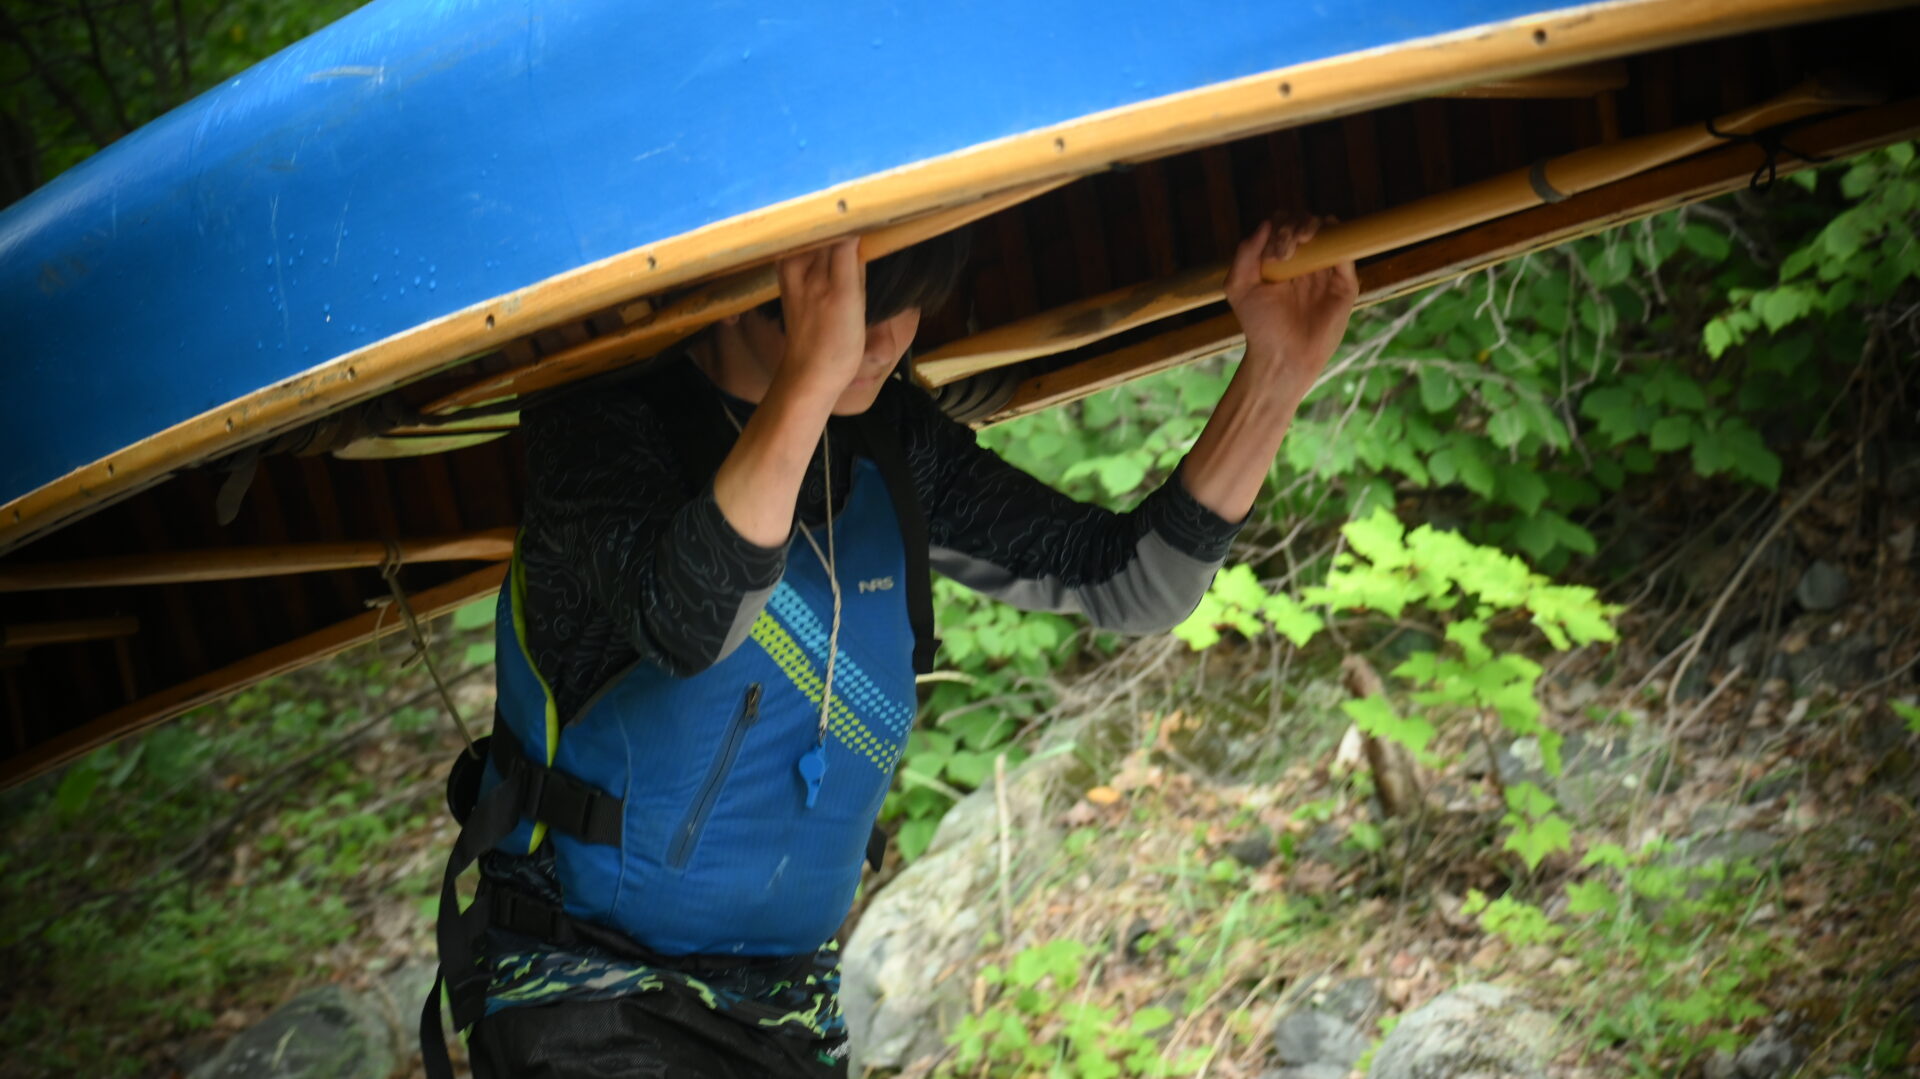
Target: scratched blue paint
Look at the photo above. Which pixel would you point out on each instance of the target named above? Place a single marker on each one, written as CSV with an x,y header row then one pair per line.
x,y
420,156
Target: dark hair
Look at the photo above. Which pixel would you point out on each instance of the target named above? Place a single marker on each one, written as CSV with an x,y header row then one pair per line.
x,y
925,276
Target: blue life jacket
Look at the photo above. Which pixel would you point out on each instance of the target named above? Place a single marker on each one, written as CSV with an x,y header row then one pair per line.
x,y
719,851
680,821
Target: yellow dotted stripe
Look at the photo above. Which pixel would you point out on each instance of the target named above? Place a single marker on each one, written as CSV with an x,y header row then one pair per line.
x,y
798,667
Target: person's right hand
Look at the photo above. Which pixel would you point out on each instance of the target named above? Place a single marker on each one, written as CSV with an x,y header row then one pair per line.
x,y
823,297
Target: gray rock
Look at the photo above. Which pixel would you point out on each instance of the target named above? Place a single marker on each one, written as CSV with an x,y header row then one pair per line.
x,y
1316,1037
904,972
1307,1071
400,992
1354,1000
1476,1031
1770,1056
1719,1066
324,1033
1841,664
1822,587
1252,851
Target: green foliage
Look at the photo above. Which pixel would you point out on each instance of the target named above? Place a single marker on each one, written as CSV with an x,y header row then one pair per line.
x,y
1004,657
1390,571
1860,256
85,75
1038,1025
205,859
1908,712
1536,830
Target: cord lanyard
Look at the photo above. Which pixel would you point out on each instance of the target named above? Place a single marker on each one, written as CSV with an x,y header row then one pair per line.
x,y
812,765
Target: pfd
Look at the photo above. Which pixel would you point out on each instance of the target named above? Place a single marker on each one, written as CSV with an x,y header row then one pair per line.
x,y
719,850
681,822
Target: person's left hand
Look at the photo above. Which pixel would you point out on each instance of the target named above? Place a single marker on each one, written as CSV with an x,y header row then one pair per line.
x,y
1292,326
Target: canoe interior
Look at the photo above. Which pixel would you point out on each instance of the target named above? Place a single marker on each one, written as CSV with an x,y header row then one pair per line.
x,y
150,650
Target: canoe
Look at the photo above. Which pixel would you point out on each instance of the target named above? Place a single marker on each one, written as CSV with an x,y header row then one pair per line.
x,y
271,342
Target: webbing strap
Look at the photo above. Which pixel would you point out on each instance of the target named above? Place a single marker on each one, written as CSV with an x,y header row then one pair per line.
x,y
526,789
556,799
883,445
493,818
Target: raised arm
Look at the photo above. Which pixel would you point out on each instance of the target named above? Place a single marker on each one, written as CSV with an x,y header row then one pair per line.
x,y
1292,328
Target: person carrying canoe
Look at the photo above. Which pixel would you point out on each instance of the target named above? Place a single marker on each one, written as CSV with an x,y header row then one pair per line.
x,y
708,647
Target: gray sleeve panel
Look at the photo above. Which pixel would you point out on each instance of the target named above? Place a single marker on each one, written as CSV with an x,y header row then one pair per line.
x,y
1156,590
751,604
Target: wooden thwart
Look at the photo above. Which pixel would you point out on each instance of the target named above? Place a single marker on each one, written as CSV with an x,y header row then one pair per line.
x,y
1497,241
1084,322
235,563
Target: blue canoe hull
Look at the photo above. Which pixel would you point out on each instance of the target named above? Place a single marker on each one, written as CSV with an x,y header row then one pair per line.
x,y
422,156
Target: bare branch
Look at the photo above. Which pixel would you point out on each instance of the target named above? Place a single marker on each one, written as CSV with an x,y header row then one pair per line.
x,y
100,65
55,85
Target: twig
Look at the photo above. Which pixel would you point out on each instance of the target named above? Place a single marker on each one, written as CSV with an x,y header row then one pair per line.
x,y
1006,846
1706,627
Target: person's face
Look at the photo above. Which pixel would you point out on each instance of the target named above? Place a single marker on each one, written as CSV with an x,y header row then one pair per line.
x,y
887,342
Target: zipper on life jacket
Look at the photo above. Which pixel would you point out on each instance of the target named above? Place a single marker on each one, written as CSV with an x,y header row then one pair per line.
x,y
689,833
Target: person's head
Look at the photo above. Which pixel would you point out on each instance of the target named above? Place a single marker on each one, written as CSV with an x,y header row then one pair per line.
x,y
899,288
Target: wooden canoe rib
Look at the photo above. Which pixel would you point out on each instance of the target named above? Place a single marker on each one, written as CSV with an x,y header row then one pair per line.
x,y
133,604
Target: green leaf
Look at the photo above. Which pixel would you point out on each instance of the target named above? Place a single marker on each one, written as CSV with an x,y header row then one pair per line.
x,y
915,836
1908,712
1507,427
1439,390
479,655
969,769
1376,717
1523,488
476,614
1122,473
1671,433
1149,1019
1613,265
1291,620
1591,897
1717,337
76,789
1534,841
1615,410
1529,800
1476,471
1707,242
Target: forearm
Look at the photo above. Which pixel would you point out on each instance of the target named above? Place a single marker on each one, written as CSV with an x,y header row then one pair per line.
x,y
1231,458
758,484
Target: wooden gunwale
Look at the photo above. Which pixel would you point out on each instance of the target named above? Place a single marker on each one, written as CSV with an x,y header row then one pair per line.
x,y
1716,172
158,707
1086,321
238,563
1283,97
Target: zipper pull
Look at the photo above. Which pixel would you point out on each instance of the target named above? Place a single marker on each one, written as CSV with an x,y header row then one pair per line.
x,y
750,711
813,769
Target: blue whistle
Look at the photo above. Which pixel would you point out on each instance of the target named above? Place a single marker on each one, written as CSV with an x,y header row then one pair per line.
x,y
813,768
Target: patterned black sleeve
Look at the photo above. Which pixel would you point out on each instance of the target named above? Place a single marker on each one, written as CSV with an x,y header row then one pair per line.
x,y
623,558
1003,532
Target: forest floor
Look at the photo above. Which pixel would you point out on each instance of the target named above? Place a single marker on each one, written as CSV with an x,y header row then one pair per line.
x,y
1742,852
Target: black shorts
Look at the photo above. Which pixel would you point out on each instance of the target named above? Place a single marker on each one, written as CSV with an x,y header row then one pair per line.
x,y
666,1035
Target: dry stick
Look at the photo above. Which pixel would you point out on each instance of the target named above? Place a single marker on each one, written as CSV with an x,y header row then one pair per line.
x,y
1393,773
1006,848
1226,1025
1700,637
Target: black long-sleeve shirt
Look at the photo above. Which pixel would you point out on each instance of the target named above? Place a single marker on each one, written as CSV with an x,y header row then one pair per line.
x,y
626,559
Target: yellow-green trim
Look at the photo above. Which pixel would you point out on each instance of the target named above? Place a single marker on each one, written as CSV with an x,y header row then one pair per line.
x,y
517,581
